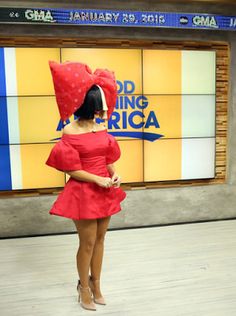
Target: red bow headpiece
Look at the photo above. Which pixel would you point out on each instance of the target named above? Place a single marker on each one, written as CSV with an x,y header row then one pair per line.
x,y
72,80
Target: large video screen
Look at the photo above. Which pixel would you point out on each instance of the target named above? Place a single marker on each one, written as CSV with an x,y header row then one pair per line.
x,y
164,118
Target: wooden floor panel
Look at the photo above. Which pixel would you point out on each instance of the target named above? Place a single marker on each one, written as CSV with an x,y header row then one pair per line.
x,y
180,270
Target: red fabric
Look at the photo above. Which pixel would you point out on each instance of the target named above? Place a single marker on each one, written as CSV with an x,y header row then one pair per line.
x,y
64,157
90,152
113,153
72,80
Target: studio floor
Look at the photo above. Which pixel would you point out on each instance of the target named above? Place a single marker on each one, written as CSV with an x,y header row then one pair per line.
x,y
172,270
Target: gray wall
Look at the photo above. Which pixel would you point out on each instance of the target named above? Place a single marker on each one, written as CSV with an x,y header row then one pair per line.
x,y
29,215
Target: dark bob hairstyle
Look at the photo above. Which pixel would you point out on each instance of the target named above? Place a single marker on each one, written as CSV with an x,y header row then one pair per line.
x,y
92,104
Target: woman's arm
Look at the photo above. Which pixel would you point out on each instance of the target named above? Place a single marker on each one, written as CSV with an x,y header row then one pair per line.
x,y
111,169
82,175
116,180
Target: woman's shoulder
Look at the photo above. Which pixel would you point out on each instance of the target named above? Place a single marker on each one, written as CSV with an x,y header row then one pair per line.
x,y
70,128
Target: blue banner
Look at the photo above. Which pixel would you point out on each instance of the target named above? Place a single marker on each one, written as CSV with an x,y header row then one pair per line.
x,y
5,167
118,18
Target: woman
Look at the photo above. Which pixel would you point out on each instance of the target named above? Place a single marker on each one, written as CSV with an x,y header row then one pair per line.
x,y
87,152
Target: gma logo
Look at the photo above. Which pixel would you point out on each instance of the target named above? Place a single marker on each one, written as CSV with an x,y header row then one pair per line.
x,y
205,20
39,15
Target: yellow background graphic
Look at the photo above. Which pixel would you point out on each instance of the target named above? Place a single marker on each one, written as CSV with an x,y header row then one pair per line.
x,y
161,72
33,73
35,173
162,160
38,118
168,111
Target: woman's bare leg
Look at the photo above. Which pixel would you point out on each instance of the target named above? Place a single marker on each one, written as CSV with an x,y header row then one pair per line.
x,y
87,232
98,250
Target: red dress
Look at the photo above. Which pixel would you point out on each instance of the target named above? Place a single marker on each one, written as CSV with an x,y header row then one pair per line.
x,y
91,152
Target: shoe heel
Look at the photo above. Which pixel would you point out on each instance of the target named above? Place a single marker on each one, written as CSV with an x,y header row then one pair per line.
x,y
100,300
89,306
77,288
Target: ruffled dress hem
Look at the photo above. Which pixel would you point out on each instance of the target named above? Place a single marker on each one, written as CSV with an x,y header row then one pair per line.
x,y
70,217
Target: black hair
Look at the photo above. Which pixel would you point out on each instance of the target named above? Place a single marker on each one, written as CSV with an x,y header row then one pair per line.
x,y
92,104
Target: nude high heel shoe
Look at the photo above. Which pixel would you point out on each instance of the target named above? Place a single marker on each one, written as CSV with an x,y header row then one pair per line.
x,y
91,306
99,300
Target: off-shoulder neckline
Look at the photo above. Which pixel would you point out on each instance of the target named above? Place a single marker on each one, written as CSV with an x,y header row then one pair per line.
x,y
92,132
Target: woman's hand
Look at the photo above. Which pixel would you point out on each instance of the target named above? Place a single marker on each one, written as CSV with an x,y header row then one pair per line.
x,y
104,182
116,180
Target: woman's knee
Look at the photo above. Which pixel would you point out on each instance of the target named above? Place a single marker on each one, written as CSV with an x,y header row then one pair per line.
x,y
102,229
87,244
87,230
100,238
